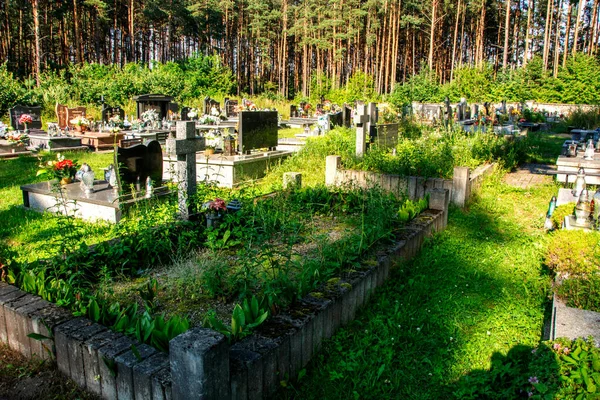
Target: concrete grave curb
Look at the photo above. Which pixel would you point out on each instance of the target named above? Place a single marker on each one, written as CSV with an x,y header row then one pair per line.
x,y
201,363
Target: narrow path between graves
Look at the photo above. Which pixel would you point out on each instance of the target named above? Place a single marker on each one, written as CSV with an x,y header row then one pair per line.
x,y
475,293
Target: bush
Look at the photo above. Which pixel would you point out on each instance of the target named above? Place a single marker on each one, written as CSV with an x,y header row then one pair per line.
x,y
561,212
574,252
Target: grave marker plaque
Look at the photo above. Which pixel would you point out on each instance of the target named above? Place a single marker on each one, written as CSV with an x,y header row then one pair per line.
x,y
346,116
34,111
293,111
184,113
257,130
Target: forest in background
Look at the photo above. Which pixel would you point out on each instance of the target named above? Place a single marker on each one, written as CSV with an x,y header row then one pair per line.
x,y
289,47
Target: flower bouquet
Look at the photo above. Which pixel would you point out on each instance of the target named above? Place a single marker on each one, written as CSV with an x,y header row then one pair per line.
x,y
25,119
20,139
116,121
62,169
150,115
192,113
81,123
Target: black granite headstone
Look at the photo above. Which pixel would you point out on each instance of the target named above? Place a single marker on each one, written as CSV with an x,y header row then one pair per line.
x,y
156,102
336,119
174,108
35,113
257,130
140,161
293,111
184,113
209,104
231,108
108,112
346,116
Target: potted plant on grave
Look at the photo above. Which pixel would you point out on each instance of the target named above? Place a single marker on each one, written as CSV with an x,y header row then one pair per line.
x,y
215,210
61,169
193,114
25,119
81,123
209,150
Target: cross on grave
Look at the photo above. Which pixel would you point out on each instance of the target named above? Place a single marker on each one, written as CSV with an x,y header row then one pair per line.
x,y
184,146
448,111
361,120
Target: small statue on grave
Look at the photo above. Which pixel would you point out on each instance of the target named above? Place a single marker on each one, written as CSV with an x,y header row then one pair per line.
x,y
110,176
86,177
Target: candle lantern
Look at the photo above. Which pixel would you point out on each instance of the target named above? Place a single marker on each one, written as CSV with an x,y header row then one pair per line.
x,y
579,183
583,208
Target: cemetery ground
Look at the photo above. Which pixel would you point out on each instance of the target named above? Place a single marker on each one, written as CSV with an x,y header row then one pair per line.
x,y
462,319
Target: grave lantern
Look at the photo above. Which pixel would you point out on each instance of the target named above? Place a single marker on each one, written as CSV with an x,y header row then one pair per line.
x,y
589,151
583,209
579,183
548,224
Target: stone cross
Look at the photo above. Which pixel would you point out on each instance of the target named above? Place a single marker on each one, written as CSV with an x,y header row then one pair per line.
x,y
184,146
361,120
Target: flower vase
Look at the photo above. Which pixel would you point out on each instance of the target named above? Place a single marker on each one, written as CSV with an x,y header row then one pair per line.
x,y
65,181
80,128
209,152
25,129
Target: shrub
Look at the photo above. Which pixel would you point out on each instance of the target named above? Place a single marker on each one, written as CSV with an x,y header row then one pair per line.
x,y
561,212
574,252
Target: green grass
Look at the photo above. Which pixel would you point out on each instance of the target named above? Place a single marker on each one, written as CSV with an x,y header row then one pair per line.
x,y
289,132
32,235
544,148
476,291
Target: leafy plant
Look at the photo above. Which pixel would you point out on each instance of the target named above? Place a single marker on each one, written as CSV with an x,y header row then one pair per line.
x,y
574,252
243,320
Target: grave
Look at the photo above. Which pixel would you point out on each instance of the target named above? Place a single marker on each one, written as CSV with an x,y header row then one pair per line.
x,y
43,141
104,203
157,102
229,171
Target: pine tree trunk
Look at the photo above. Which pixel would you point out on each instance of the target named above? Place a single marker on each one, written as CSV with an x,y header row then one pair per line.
x,y
506,32
567,35
557,39
547,28
455,40
580,7
434,5
36,33
530,11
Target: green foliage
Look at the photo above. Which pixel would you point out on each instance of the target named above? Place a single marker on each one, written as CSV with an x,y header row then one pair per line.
x,y
581,292
585,119
574,252
243,320
561,212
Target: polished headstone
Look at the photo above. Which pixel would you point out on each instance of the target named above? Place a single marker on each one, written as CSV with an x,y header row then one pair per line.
x,y
136,163
108,112
257,130
34,112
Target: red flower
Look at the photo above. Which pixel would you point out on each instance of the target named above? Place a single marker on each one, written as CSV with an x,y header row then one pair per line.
x,y
64,164
218,205
25,119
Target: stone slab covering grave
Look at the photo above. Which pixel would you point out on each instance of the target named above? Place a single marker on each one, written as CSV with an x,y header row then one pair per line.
x,y
35,113
229,171
99,140
43,141
572,164
257,130
573,322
